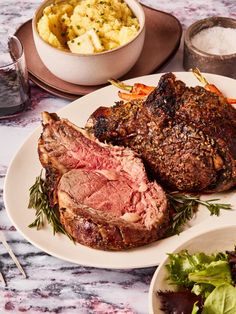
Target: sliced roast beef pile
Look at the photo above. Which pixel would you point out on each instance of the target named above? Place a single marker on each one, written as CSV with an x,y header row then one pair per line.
x,y
104,196
186,136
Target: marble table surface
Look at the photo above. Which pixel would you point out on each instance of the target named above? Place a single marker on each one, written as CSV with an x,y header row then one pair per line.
x,y
53,285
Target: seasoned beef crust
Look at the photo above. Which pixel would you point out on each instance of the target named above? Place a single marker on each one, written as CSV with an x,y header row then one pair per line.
x,y
186,136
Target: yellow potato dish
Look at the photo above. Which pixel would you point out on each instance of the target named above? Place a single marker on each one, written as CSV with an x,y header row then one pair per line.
x,y
88,26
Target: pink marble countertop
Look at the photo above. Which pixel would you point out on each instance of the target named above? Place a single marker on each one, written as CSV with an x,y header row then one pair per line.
x,y
53,285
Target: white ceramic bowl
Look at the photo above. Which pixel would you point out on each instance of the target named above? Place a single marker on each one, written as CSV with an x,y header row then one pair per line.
x,y
90,69
218,240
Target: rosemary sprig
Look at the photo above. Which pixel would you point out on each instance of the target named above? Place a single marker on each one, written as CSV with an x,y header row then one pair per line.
x,y
214,208
44,212
185,206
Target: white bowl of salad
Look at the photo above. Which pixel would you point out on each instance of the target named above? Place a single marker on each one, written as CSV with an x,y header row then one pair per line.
x,y
199,276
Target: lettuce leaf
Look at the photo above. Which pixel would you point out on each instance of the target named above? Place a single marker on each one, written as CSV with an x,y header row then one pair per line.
x,y
209,277
202,289
195,309
179,302
221,301
232,263
216,274
182,264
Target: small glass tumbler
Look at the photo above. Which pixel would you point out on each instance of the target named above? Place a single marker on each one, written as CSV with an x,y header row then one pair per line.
x,y
14,84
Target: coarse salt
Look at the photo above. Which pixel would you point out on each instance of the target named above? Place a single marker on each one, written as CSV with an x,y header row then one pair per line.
x,y
216,40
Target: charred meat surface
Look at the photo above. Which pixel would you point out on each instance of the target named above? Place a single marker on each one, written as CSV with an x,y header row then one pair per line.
x,y
105,199
186,136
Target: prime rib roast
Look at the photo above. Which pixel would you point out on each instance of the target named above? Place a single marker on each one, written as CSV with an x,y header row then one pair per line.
x,y
104,197
186,136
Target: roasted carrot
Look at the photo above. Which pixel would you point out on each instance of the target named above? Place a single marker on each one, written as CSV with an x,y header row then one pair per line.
x,y
211,87
137,91
131,96
139,88
231,101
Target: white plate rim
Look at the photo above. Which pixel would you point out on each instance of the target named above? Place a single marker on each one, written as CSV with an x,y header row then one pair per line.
x,y
135,258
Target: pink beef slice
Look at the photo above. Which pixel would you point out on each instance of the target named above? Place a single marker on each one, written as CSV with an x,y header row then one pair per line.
x,y
105,198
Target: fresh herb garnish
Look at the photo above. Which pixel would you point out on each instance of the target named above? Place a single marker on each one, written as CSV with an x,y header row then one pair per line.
x,y
185,206
44,212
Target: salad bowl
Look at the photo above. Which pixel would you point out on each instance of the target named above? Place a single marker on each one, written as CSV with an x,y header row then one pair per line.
x,y
217,240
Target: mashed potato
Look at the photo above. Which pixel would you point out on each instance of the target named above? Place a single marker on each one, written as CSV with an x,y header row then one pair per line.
x,y
88,26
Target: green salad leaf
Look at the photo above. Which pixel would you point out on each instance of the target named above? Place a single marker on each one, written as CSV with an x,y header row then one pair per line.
x,y
216,274
182,264
195,308
208,277
202,289
222,300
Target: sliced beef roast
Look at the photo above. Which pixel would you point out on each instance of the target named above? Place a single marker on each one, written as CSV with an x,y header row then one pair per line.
x,y
105,199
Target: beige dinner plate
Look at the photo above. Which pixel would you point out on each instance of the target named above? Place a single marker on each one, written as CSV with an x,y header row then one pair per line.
x,y
25,166
163,34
